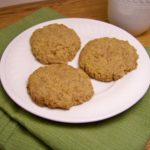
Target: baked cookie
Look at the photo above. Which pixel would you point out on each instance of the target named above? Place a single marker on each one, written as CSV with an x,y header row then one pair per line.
x,y
59,86
55,43
108,59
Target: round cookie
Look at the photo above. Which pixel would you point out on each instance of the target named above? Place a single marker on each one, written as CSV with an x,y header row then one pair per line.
x,y
59,86
55,43
108,59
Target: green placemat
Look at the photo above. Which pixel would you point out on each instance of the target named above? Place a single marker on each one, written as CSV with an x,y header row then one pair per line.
x,y
22,130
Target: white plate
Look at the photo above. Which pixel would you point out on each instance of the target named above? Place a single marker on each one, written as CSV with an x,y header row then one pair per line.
x,y
110,99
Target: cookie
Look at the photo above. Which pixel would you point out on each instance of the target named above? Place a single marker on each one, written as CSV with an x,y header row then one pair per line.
x,y
55,43
108,59
59,86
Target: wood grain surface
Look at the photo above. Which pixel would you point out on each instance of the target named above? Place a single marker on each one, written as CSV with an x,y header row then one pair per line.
x,y
94,9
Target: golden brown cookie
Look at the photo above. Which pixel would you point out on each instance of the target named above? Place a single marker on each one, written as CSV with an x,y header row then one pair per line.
x,y
108,59
55,43
59,86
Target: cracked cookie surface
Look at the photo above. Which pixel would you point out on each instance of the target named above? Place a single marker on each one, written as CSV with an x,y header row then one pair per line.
x,y
54,43
59,86
108,59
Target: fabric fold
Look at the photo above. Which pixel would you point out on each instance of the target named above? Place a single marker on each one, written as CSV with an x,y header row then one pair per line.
x,y
13,136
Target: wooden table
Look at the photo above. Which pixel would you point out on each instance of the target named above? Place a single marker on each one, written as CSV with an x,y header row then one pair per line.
x,y
95,9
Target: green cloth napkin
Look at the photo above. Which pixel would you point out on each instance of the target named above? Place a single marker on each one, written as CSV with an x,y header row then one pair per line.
x,y
21,130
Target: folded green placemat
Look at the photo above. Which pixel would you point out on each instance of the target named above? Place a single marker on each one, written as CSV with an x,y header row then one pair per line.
x,y
22,130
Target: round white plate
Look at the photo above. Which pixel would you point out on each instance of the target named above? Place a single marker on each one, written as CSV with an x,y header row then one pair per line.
x,y
110,99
